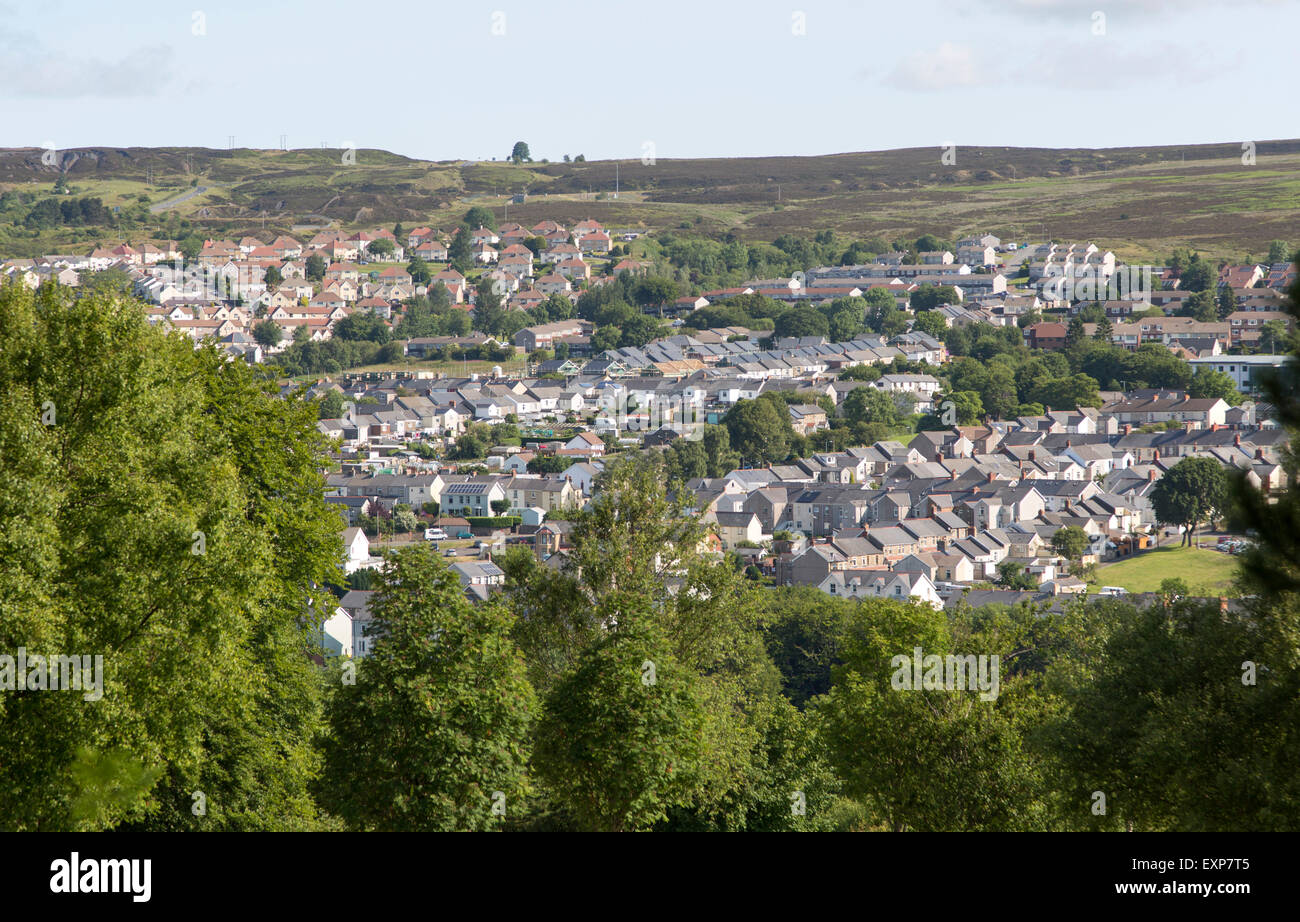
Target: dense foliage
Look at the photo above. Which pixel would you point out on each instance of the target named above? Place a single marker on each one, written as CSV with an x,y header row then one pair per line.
x,y
164,509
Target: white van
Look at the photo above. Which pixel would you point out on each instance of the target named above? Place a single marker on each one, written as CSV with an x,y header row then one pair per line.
x,y
435,534
1112,590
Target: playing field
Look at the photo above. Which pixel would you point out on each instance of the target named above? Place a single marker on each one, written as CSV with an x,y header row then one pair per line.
x,y
1205,572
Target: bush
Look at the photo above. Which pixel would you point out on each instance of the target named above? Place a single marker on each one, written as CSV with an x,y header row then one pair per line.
x,y
490,521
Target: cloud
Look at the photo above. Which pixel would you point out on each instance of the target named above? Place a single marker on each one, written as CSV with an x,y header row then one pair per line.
x,y
29,70
1077,7
1083,64
947,67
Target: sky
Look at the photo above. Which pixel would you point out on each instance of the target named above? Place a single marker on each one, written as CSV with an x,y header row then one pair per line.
x,y
690,78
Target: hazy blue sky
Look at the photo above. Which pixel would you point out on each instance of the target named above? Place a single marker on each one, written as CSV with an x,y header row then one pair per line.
x,y
465,79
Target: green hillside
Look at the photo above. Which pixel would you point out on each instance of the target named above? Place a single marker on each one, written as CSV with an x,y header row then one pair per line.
x,y
1139,201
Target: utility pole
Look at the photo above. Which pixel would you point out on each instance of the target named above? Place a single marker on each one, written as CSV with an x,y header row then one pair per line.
x,y
615,179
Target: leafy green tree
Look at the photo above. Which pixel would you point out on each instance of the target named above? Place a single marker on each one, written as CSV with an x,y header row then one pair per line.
x,y
861,373
1198,275
164,510
1278,252
759,430
803,629
1013,575
469,447
106,281
870,405
315,267
883,315
405,520
273,276
332,405
381,248
650,292
478,216
998,393
966,404
802,321
1068,393
434,734
1274,336
1202,306
363,325
1074,331
931,322
1070,542
929,243
930,758
1227,303
1208,383
638,564
267,333
490,314
621,739
460,253
1179,715
718,453
927,297
419,271
846,323
1190,492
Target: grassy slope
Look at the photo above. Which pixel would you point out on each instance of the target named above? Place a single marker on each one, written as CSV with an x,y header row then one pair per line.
x,y
1138,201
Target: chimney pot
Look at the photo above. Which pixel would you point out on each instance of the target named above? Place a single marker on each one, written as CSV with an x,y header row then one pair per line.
x,y
1236,440
1151,475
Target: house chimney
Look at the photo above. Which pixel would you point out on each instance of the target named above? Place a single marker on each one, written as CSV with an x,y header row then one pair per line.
x,y
1068,443
953,475
1236,440
1259,454
1128,428
1151,475
1032,455
1155,455
992,476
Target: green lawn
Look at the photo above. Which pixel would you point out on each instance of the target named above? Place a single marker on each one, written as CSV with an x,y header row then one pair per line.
x,y
1206,572
451,368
